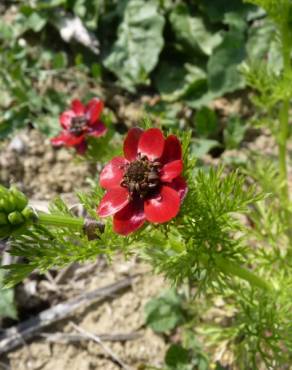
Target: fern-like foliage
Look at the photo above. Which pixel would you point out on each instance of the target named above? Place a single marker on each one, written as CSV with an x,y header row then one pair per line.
x,y
186,249
260,330
46,247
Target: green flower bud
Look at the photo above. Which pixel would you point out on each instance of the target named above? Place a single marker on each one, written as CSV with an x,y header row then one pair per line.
x,y
7,203
28,214
3,191
3,218
15,218
20,200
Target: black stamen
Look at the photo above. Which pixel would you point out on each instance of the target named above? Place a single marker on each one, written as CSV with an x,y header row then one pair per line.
x,y
78,124
141,176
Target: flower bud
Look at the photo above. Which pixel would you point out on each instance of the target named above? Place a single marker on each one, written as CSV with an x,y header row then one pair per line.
x,y
15,218
20,200
28,214
14,213
7,203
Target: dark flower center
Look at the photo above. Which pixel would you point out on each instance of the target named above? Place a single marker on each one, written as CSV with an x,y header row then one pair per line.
x,y
142,177
78,124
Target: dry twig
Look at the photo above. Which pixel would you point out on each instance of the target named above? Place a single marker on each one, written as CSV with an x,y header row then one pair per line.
x,y
15,336
72,337
106,349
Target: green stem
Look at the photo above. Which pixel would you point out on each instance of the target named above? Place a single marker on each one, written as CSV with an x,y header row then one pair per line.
x,y
234,269
242,273
284,118
60,220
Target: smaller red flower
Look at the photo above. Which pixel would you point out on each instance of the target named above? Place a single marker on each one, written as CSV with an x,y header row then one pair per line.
x,y
80,122
144,185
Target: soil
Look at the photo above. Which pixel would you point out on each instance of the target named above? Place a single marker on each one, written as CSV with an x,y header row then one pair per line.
x,y
43,172
121,314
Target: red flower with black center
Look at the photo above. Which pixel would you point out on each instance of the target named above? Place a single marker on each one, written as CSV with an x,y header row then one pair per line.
x,y
80,122
145,184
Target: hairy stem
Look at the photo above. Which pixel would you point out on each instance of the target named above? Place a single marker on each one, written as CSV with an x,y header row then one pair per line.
x,y
60,220
242,273
284,118
232,269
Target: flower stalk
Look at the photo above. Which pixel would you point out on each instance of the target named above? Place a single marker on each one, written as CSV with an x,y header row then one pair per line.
x,y
242,273
91,228
60,220
236,270
284,116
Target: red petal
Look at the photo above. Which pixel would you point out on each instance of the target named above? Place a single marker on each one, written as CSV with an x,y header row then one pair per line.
x,y
81,148
113,201
179,184
97,130
58,140
130,218
113,172
172,149
94,109
151,143
171,170
131,143
66,118
163,207
67,139
77,107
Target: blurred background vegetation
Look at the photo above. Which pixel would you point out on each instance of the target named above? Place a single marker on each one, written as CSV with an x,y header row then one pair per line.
x,y
172,58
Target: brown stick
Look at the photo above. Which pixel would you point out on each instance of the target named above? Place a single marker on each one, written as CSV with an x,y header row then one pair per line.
x,y
105,348
72,337
15,336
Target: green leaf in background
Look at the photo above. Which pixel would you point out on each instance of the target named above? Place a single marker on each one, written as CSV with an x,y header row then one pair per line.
x,y
235,21
96,70
60,60
223,74
6,31
198,101
166,113
177,357
7,306
206,122
48,125
175,81
36,22
217,9
201,147
192,31
234,132
135,53
263,45
165,312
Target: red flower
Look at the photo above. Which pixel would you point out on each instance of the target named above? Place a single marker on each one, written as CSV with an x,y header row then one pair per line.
x,y
146,184
80,122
